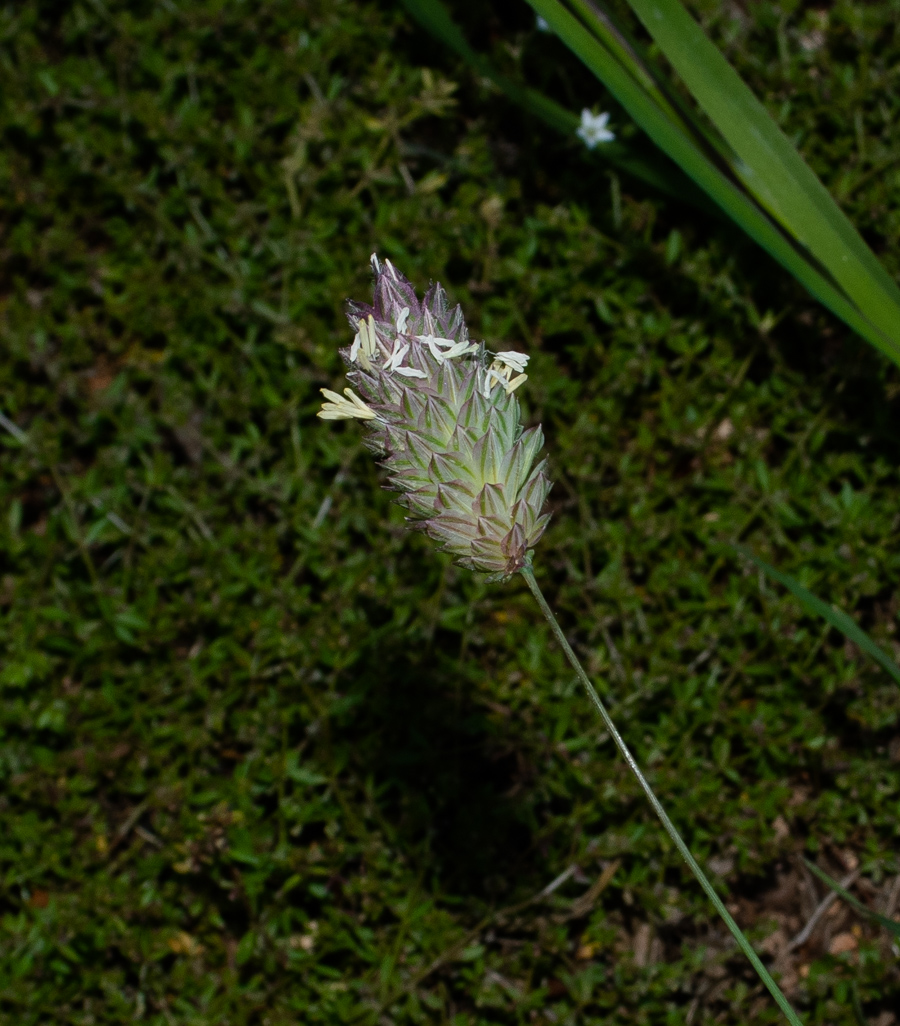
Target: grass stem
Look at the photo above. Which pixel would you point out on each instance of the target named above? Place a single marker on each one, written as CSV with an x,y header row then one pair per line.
x,y
736,932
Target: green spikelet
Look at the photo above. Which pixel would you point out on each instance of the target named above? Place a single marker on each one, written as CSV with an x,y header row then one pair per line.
x,y
447,420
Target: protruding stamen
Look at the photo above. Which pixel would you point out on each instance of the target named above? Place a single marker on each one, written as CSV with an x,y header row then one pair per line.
x,y
446,343
367,336
396,357
435,349
514,384
491,377
401,320
365,343
460,349
370,342
513,360
339,408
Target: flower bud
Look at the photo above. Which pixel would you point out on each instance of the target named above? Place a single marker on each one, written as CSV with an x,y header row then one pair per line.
x,y
443,412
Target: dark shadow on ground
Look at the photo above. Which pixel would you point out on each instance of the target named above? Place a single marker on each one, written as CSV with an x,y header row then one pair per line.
x,y
451,780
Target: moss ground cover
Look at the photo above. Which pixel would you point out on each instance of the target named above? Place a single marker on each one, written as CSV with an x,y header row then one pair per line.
x,y
265,757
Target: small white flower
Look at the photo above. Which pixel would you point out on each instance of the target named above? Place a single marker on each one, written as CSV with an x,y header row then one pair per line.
x,y
515,361
411,372
401,319
593,130
339,408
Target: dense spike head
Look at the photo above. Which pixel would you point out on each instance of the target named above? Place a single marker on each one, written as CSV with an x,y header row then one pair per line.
x,y
442,411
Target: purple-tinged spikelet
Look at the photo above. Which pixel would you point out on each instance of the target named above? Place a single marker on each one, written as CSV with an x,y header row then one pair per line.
x,y
444,412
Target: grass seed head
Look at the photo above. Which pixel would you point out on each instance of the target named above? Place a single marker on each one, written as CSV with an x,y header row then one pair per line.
x,y
443,412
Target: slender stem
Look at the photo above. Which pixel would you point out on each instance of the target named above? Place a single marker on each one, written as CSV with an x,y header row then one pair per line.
x,y
742,941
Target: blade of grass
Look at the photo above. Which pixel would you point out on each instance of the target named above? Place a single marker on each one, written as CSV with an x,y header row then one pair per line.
x,y
768,164
835,617
701,162
891,925
858,1012
664,176
627,52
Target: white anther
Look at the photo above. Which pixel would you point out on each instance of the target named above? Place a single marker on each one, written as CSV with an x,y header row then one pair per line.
x,y
513,360
460,349
433,346
339,408
445,342
396,357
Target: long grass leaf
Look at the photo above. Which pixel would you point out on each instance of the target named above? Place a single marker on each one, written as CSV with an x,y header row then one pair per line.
x,y
849,628
890,925
669,133
769,165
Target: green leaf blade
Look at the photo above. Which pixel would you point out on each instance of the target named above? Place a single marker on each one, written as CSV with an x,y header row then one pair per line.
x,y
891,925
671,137
769,166
838,619
435,18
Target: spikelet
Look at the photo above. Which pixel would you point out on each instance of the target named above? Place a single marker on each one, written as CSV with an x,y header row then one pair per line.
x,y
443,412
